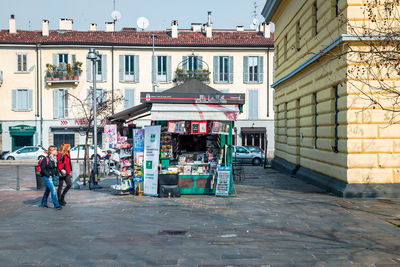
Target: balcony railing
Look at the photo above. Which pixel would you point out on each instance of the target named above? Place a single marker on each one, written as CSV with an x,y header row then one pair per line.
x,y
63,73
183,76
62,77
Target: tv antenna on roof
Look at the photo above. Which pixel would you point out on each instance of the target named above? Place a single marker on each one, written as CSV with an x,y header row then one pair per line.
x,y
115,15
142,23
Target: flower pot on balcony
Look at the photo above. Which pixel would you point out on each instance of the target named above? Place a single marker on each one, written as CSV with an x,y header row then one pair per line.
x,y
64,78
55,79
76,77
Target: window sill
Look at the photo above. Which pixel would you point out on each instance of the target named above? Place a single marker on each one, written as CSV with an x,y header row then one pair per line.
x,y
223,82
163,82
22,72
253,82
25,110
128,82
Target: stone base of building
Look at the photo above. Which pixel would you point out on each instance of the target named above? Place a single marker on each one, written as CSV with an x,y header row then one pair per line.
x,y
284,166
337,187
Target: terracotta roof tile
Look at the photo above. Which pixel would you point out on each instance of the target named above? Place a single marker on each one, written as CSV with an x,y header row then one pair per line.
x,y
131,37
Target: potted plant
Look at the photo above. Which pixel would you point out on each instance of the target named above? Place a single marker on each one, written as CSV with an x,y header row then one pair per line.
x,y
77,69
50,71
70,72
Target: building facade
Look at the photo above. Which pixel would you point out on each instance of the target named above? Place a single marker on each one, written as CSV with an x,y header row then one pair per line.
x,y
41,78
326,132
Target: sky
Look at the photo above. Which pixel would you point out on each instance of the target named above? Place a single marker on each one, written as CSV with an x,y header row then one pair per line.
x,y
226,14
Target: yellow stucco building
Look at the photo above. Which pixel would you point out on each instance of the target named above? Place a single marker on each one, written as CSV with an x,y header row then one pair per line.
x,y
326,132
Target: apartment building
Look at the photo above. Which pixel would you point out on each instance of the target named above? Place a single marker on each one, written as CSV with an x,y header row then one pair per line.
x,y
38,67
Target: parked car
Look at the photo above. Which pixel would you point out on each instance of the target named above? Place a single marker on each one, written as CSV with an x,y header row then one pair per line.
x,y
74,152
248,155
26,153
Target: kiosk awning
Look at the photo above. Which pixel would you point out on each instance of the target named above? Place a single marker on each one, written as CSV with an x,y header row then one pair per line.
x,y
164,112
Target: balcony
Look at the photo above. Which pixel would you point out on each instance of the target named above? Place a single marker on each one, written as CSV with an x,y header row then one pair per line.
x,y
182,76
64,73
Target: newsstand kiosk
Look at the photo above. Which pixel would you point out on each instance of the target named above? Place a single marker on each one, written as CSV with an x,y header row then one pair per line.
x,y
193,124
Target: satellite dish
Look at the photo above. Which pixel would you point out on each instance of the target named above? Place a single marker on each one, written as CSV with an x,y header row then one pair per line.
x,y
116,15
142,23
255,21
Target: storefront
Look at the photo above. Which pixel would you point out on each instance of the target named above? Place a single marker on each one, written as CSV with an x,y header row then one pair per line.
x,y
21,135
193,123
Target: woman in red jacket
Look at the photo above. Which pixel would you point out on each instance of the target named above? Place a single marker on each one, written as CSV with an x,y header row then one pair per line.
x,y
65,167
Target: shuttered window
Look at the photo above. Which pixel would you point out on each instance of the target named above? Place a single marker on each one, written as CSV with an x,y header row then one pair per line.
x,y
22,99
101,69
253,69
60,104
129,68
22,65
192,63
223,69
253,104
129,98
101,98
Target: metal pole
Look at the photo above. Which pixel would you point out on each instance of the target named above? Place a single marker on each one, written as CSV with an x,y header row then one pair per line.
x,y
154,67
18,187
94,121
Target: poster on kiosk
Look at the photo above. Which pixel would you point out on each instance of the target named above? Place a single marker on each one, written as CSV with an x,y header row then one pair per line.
x,y
151,159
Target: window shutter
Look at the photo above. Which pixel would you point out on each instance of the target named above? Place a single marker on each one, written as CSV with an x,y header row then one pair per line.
x,y
129,98
89,99
30,99
25,62
103,68
136,68
73,61
56,103
253,104
66,105
230,69
55,59
121,68
14,99
261,69
169,69
89,71
185,63
19,63
216,68
200,62
246,69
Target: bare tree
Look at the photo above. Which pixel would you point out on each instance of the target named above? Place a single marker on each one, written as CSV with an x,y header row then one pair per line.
x,y
373,55
83,109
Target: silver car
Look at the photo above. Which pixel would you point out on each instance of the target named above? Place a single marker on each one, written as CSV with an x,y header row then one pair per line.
x,y
247,155
26,153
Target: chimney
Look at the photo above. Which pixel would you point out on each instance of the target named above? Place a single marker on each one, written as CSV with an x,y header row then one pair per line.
x,y
261,27
266,30
93,27
110,26
209,18
240,28
174,32
208,29
45,27
196,27
65,24
13,27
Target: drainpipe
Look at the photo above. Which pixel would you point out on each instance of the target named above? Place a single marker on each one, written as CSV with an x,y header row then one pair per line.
x,y
268,81
336,147
112,79
154,66
41,95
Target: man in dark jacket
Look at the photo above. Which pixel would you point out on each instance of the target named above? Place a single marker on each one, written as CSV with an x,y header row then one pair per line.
x,y
48,171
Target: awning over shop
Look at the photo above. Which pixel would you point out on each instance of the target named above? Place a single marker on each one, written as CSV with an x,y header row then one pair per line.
x,y
131,113
194,112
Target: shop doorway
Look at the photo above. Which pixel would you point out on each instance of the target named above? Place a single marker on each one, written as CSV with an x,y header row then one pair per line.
x,y
254,136
21,135
60,138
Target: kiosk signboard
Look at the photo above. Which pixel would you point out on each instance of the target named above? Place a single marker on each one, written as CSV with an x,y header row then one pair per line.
x,y
151,159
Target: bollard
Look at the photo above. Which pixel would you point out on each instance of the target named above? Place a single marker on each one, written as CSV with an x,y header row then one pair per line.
x,y
18,187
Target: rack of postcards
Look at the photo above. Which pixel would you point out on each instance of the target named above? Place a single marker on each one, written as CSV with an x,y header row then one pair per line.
x,y
125,171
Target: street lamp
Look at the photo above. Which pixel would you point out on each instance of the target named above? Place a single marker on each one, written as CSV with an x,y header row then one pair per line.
x,y
94,56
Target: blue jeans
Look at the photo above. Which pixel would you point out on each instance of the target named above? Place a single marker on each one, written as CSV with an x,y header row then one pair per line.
x,y
50,189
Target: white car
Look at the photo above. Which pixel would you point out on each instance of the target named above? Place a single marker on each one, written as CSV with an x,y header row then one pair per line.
x,y
26,153
74,152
